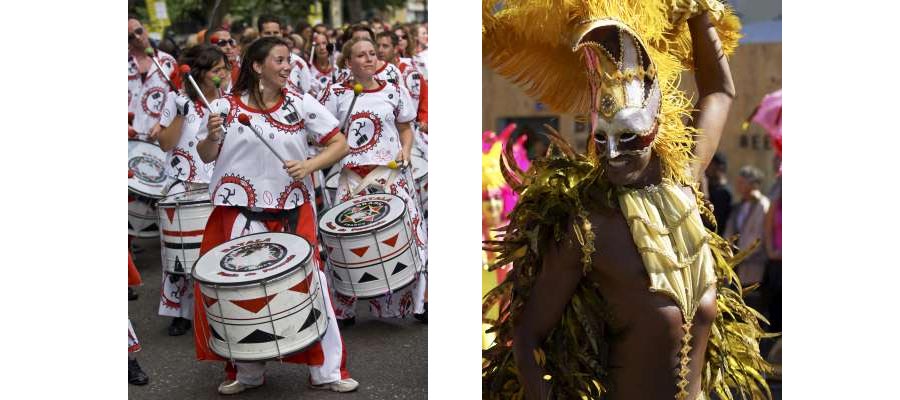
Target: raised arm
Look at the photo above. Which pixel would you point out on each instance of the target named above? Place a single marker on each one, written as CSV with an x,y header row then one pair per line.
x,y
552,291
715,88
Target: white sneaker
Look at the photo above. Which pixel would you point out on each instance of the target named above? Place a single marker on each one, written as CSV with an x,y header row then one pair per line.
x,y
235,387
341,386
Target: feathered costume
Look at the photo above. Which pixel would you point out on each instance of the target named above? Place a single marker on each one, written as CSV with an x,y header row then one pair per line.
x,y
543,45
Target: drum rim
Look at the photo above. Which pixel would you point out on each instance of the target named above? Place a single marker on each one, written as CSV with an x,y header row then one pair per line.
x,y
162,204
359,233
271,278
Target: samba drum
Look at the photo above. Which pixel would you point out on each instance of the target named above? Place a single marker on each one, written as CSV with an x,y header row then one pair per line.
x,y
146,160
331,184
420,175
369,245
262,296
182,221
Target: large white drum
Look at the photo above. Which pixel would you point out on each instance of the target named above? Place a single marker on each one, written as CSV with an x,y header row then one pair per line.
x,y
142,217
369,245
331,184
147,161
147,185
182,221
420,174
262,296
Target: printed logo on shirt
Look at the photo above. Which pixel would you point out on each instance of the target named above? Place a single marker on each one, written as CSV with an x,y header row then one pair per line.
x,y
153,100
363,132
183,165
233,190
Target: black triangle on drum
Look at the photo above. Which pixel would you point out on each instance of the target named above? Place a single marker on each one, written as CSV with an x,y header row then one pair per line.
x,y
215,334
259,336
178,266
336,276
399,267
313,316
367,277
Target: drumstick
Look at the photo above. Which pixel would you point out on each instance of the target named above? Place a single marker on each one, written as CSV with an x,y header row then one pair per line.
x,y
152,53
312,48
244,119
186,70
357,89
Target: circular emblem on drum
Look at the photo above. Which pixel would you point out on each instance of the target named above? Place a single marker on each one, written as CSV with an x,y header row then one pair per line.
x,y
363,132
362,214
147,168
253,256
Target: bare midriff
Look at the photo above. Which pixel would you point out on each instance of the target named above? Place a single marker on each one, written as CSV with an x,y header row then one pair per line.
x,y
645,328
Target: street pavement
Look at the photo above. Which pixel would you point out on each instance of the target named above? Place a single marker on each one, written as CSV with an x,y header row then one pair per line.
x,y
389,357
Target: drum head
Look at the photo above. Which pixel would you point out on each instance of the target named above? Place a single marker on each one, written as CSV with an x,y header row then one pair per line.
x,y
252,258
191,197
147,161
420,167
332,181
362,214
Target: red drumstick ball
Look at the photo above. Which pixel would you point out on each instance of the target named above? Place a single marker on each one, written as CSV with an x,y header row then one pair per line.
x,y
185,69
244,119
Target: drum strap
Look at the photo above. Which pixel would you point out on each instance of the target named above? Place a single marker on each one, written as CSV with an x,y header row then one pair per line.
x,y
288,218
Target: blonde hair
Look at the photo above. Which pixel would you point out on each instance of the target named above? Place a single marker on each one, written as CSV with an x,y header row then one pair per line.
x,y
348,48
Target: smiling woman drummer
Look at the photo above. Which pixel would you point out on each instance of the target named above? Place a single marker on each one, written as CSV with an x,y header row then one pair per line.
x,y
379,135
253,191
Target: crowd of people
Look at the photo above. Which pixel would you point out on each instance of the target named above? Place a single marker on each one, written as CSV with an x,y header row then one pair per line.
x,y
320,100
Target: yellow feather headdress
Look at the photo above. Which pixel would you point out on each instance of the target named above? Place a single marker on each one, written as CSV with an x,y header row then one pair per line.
x,y
538,44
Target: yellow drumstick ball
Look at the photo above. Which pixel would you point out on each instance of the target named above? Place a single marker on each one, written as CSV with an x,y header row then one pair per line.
x,y
357,88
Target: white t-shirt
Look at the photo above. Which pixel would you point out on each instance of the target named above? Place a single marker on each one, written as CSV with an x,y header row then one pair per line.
x,y
147,95
299,79
247,174
183,162
320,79
421,61
372,132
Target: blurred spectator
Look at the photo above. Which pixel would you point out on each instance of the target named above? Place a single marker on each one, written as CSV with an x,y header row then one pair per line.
x,y
719,192
771,287
407,45
747,221
298,45
269,25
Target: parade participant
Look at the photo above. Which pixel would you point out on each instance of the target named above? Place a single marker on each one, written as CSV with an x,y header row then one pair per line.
x,y
136,375
300,78
254,192
421,56
147,84
184,122
388,50
379,133
406,44
617,291
324,72
229,46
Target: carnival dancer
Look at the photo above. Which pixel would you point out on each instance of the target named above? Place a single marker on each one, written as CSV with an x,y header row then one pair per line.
x,y
184,121
254,192
617,289
389,51
300,78
379,135
147,83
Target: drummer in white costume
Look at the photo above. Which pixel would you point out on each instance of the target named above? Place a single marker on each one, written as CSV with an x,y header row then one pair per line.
x,y
184,121
147,86
389,51
323,71
254,192
378,133
300,79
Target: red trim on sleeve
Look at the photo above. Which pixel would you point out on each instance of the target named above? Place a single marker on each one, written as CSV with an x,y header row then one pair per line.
x,y
328,137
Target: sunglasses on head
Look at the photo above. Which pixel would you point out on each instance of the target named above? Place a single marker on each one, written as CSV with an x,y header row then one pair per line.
x,y
224,42
137,32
